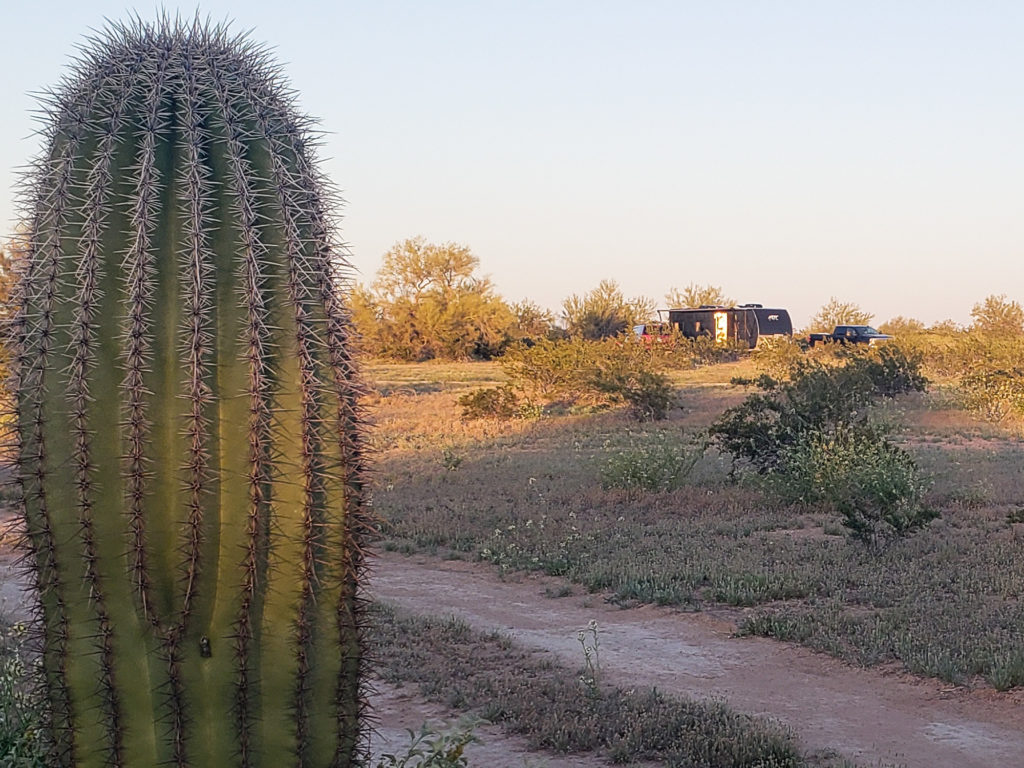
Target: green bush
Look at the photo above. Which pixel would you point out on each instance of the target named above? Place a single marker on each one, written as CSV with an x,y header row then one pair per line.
x,y
656,463
648,393
576,372
819,396
991,375
892,369
813,441
490,403
551,369
855,471
776,356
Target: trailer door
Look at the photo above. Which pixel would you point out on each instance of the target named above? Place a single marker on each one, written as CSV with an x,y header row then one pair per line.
x,y
721,327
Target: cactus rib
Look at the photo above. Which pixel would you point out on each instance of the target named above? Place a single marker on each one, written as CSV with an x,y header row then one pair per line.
x,y
181,346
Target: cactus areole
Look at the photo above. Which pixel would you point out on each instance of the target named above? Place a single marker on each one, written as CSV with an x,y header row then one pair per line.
x,y
189,449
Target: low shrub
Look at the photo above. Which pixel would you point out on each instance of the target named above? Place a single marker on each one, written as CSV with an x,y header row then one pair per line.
x,y
874,485
819,396
490,403
991,376
648,394
776,356
578,373
655,463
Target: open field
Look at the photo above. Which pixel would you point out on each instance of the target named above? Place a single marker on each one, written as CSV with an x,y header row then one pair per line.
x,y
526,495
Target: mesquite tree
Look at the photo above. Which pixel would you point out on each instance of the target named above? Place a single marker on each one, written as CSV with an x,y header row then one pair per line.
x,y
190,460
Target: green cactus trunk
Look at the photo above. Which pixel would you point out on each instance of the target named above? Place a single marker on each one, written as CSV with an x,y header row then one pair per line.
x,y
188,434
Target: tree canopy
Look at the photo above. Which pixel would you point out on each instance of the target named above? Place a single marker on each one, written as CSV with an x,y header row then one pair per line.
x,y
604,312
997,314
837,312
428,302
695,295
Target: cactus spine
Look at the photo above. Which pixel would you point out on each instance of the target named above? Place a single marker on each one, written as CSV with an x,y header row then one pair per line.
x,y
190,460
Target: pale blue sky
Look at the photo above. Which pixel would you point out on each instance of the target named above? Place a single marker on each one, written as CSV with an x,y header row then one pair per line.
x,y
786,151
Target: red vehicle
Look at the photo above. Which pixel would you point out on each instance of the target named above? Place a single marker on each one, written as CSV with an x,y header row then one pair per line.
x,y
653,333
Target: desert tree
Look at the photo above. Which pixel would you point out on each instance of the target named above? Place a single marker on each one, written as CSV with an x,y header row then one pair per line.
x,y
428,302
997,314
837,312
695,295
532,321
604,312
901,325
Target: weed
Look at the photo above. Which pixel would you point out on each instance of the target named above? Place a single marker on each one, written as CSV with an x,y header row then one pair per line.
x,y
655,463
1007,671
431,747
22,743
590,642
451,458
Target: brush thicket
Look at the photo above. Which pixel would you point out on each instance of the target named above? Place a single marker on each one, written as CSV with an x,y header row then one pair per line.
x,y
190,460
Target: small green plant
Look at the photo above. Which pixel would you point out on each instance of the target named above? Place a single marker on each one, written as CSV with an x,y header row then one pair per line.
x,y
451,457
432,747
1015,516
1007,671
653,463
590,642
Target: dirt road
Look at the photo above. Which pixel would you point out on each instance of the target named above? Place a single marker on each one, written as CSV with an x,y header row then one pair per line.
x,y
867,715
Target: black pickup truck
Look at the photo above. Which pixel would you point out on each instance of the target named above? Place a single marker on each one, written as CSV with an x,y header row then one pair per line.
x,y
849,334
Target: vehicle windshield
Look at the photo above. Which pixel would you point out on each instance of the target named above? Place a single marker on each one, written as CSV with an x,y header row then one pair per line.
x,y
869,331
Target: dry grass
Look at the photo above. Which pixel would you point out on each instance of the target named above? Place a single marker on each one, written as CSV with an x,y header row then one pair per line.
x,y
527,495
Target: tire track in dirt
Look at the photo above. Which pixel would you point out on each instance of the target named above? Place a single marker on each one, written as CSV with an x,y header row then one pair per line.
x,y
867,715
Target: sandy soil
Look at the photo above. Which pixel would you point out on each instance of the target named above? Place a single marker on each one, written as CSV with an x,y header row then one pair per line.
x,y
867,715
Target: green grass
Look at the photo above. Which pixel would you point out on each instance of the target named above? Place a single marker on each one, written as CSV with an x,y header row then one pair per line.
x,y
943,602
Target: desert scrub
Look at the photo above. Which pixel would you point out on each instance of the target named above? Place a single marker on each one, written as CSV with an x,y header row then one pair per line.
x,y
499,402
491,676
655,462
575,373
853,470
952,588
818,396
776,356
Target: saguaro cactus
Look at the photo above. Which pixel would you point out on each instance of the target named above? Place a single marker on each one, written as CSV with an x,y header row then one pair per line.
x,y
189,451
